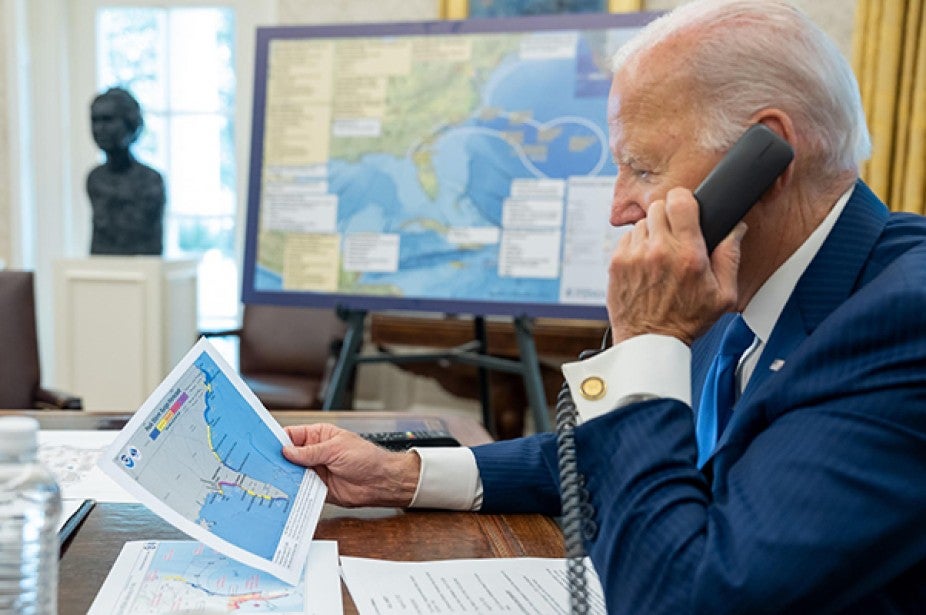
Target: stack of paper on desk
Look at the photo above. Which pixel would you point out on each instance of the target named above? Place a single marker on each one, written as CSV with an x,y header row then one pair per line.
x,y
204,454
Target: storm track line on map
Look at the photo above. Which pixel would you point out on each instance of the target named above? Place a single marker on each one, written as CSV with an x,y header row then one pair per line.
x,y
539,126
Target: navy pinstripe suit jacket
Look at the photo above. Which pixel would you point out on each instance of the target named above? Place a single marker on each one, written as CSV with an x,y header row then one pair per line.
x,y
815,498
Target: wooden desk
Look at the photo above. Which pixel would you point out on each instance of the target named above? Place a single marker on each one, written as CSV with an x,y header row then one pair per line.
x,y
367,532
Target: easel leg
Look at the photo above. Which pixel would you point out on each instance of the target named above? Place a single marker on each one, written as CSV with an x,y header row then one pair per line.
x,y
485,398
347,360
530,371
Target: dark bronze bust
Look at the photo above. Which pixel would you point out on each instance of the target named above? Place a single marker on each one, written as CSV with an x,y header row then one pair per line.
x,y
127,197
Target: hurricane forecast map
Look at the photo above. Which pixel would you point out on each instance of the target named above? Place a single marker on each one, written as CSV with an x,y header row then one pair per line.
x,y
185,577
200,451
194,578
472,167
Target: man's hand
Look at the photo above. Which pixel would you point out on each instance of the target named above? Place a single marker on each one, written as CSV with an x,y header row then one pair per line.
x,y
357,472
661,279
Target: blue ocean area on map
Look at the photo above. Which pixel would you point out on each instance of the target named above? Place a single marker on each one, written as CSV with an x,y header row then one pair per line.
x,y
474,167
234,510
258,456
207,575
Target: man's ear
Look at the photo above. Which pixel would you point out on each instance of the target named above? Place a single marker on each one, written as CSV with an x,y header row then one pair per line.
x,y
780,122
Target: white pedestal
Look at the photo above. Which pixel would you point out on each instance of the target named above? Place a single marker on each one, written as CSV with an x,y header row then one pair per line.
x,y
121,324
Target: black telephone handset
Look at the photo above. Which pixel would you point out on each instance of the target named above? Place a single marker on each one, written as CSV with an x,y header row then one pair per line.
x,y
741,177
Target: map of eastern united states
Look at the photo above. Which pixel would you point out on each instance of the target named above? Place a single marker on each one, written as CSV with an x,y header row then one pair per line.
x,y
214,462
458,126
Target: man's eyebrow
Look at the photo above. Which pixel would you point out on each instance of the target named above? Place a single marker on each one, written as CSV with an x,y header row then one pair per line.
x,y
628,156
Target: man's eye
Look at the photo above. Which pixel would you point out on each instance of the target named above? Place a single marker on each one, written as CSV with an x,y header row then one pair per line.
x,y
636,171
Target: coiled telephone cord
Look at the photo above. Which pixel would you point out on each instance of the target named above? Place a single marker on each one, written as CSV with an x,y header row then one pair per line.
x,y
577,518
574,499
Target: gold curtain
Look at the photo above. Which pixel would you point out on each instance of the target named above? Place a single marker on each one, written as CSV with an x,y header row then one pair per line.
x,y
459,9
454,9
889,58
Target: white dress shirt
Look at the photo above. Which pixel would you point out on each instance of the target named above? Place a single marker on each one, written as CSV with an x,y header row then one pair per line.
x,y
645,366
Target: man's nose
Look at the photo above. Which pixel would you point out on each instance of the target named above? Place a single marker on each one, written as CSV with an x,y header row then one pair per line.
x,y
626,205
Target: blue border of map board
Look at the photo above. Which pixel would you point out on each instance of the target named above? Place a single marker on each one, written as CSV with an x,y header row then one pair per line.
x,y
576,21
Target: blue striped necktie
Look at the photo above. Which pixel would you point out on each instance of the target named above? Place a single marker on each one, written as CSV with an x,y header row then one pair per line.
x,y
719,392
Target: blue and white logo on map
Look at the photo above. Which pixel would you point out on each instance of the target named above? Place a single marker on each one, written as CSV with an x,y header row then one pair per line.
x,y
130,457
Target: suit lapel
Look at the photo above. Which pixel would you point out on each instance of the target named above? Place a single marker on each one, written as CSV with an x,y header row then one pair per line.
x,y
830,278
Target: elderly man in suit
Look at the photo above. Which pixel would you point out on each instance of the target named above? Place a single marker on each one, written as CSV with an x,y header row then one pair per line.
x,y
807,497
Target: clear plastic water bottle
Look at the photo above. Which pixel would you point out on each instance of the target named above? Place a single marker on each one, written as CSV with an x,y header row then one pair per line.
x,y
30,504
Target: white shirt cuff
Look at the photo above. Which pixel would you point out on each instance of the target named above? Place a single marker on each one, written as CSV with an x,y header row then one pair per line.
x,y
643,366
449,479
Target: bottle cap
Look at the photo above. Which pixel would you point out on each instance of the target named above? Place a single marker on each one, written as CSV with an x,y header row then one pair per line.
x,y
18,434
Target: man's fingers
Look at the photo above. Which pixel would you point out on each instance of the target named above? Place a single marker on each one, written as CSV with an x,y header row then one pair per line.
x,y
656,223
681,212
729,248
725,261
638,235
311,434
309,437
307,455
296,433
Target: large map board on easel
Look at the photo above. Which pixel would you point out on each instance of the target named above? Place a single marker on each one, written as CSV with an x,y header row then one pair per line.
x,y
456,166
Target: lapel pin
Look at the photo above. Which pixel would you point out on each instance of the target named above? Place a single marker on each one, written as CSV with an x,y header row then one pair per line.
x,y
776,365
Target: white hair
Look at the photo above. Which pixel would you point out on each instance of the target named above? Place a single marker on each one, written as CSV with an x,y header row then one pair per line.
x,y
751,55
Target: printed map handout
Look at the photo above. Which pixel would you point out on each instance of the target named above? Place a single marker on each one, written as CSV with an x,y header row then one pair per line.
x,y
203,453
185,576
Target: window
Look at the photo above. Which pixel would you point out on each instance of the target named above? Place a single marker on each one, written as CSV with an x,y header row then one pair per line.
x,y
179,63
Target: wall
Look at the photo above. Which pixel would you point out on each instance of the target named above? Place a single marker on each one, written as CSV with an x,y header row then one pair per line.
x,y
305,12
835,17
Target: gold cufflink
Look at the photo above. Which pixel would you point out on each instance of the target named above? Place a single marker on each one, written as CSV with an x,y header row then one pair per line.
x,y
592,388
